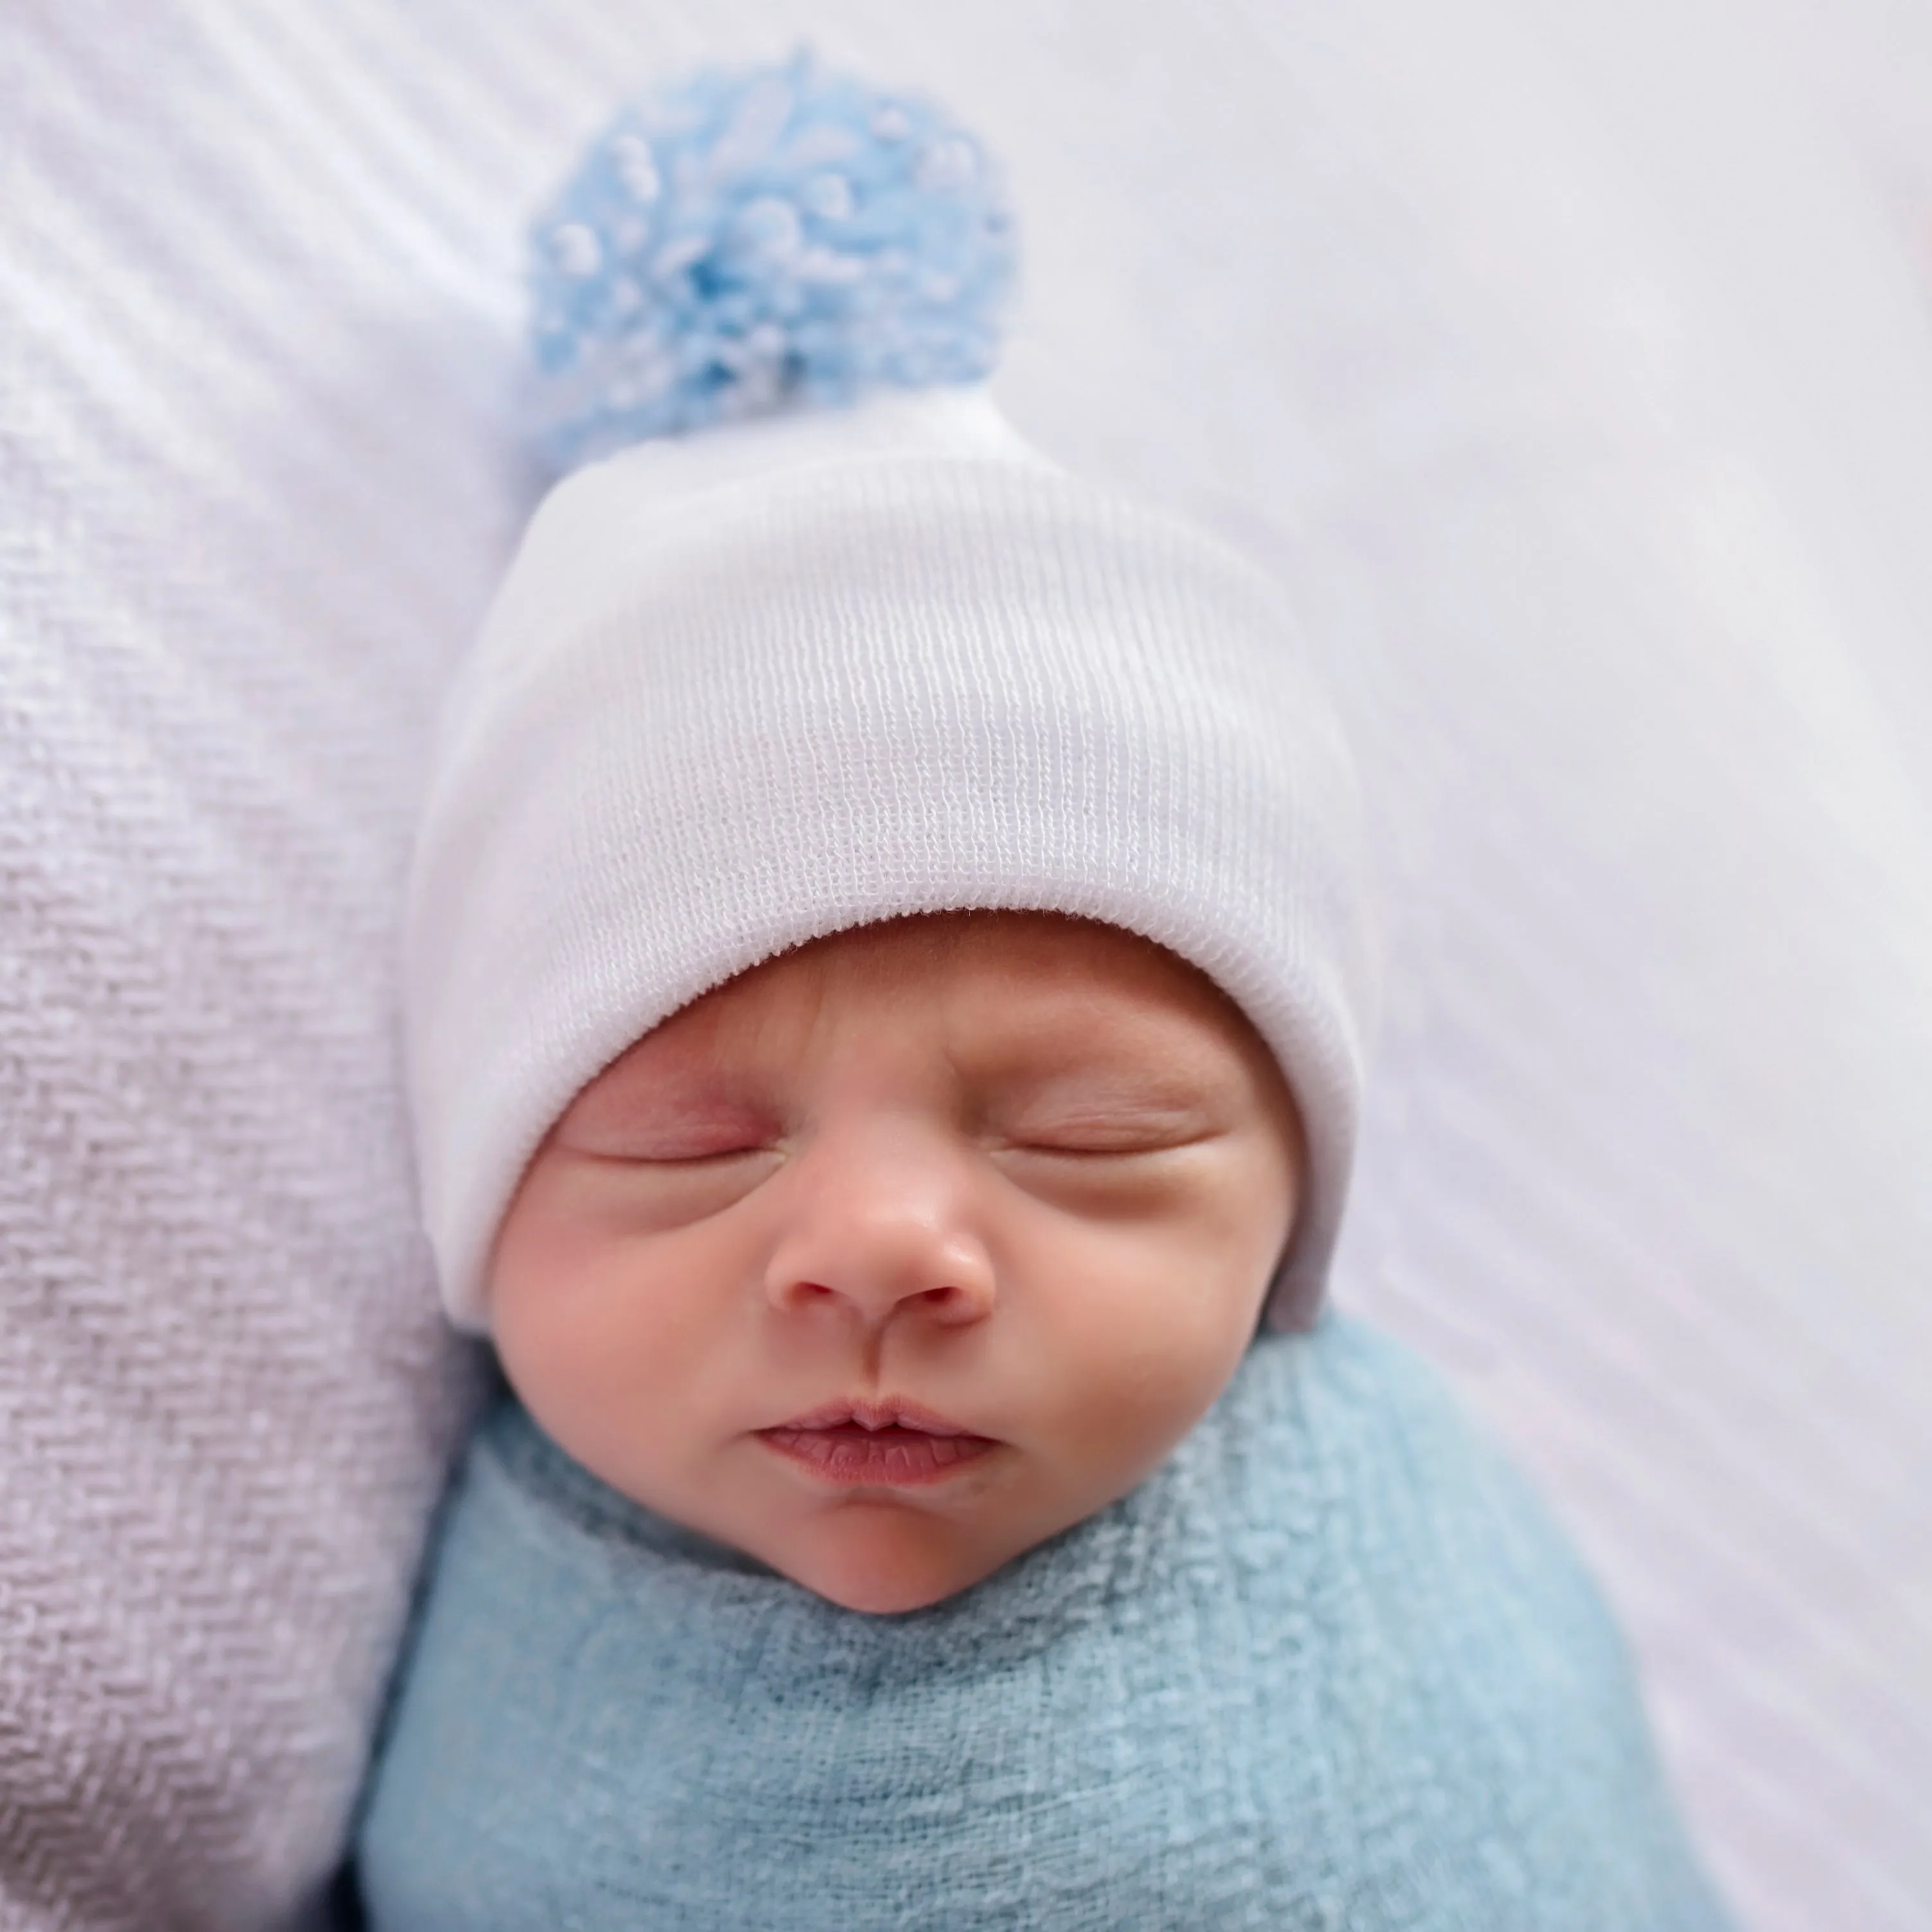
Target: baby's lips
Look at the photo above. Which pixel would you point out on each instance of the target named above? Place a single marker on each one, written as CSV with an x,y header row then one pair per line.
x,y
893,1412
892,1456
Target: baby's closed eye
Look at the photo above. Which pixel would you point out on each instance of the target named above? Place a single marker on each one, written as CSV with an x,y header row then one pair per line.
x,y
666,1133
1105,1137
1100,1118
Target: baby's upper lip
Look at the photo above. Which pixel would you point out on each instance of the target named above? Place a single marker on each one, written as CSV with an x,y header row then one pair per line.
x,y
891,1412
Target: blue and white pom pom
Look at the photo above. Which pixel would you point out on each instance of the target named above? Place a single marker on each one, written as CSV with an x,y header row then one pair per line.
x,y
752,240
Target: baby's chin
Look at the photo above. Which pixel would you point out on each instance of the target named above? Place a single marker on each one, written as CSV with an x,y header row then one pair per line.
x,y
883,1559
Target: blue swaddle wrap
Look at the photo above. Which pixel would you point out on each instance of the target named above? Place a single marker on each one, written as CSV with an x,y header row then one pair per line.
x,y
1331,1666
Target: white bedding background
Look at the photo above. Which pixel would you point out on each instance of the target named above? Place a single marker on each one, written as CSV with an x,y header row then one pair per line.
x,y
1574,363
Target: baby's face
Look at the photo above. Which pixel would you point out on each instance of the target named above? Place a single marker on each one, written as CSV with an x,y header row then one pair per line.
x,y
900,1253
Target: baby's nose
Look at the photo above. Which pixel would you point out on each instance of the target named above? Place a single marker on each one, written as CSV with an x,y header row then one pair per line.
x,y
883,1231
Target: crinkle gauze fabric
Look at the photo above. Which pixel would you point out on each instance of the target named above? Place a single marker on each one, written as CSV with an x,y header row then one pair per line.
x,y
1331,1666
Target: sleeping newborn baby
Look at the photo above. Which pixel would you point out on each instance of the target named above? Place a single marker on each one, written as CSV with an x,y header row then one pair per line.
x,y
864,1264
888,982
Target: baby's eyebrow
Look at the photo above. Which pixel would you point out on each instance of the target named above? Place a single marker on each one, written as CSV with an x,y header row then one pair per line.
x,y
673,1077
1118,1065
1151,1102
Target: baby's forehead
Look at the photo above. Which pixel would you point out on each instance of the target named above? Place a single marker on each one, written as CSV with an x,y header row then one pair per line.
x,y
994,997
986,958
992,938
993,975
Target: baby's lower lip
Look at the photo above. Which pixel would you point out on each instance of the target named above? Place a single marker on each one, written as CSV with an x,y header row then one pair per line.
x,y
848,1453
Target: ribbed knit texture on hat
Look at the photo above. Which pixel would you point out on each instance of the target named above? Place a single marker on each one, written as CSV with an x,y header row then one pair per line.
x,y
741,694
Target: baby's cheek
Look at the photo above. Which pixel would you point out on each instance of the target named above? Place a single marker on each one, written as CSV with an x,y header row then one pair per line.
x,y
593,1336
1135,1339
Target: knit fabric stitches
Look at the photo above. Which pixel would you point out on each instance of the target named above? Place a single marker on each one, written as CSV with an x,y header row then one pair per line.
x,y
1331,1666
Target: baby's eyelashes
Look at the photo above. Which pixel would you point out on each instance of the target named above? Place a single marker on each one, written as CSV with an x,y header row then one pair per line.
x,y
1095,1151
664,1152
711,1157
1106,1139
1058,1120
1088,1150
667,1137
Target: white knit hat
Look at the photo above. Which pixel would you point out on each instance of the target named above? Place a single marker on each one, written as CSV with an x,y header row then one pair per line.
x,y
748,688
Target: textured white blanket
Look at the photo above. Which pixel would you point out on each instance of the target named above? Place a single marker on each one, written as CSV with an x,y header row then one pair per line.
x,y
1575,363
